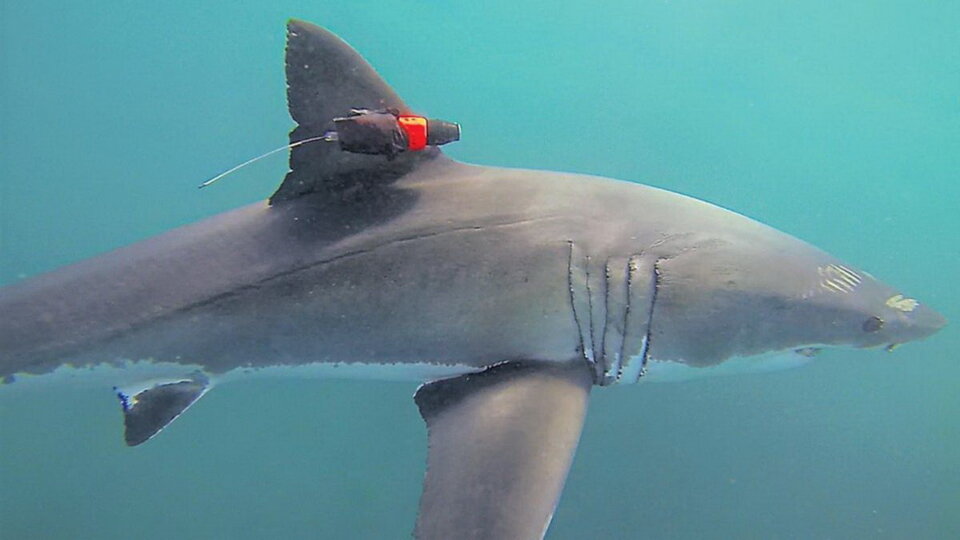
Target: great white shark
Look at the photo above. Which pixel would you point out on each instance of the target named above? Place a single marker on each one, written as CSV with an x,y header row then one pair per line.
x,y
507,293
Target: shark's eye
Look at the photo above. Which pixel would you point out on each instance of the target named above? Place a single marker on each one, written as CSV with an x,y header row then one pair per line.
x,y
872,324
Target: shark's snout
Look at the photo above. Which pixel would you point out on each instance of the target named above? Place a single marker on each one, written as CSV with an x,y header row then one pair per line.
x,y
919,323
895,319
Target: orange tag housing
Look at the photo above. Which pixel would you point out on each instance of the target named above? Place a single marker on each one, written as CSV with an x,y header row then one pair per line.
x,y
416,129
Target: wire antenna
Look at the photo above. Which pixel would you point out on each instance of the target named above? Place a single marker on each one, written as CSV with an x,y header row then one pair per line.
x,y
324,137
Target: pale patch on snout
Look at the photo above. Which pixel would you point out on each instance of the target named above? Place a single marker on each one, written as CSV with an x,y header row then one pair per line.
x,y
900,303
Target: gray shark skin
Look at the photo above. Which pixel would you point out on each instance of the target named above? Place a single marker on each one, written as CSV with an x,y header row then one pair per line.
x,y
508,293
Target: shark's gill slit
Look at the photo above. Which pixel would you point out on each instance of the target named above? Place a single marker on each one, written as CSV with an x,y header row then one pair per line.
x,y
573,300
648,339
626,320
604,351
592,356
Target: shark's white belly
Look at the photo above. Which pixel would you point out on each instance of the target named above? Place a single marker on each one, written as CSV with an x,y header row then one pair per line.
x,y
132,375
671,371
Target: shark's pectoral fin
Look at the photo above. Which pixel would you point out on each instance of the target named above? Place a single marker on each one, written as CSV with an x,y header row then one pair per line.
x,y
500,445
149,408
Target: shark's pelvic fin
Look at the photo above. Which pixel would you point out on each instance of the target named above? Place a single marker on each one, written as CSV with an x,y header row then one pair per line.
x,y
149,409
500,445
327,79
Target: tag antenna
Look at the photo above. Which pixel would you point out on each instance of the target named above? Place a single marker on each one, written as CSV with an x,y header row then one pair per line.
x,y
324,137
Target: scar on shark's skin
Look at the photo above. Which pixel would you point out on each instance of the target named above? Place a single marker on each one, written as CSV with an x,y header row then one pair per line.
x,y
508,294
900,303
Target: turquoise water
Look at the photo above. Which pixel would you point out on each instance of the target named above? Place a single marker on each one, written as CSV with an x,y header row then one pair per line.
x,y
838,124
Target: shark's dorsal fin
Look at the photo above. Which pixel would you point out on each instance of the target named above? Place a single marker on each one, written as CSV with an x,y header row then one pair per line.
x,y
326,79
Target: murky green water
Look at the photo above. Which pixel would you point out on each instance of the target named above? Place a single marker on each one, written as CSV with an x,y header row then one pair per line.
x,y
837,123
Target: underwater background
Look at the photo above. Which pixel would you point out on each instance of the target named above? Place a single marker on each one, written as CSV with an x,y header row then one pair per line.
x,y
837,122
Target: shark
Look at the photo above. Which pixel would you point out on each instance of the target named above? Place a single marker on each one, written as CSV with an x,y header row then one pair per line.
x,y
507,294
